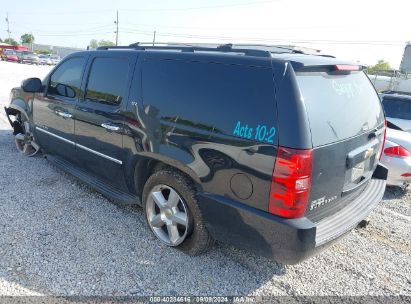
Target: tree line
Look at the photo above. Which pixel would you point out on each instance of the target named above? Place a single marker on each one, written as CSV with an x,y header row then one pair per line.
x,y
25,38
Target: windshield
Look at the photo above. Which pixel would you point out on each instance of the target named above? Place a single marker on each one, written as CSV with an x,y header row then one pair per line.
x,y
339,106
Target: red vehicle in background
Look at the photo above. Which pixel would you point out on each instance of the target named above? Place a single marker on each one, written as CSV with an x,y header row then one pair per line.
x,y
9,52
10,55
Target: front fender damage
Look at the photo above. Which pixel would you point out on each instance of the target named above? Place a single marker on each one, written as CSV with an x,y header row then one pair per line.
x,y
23,136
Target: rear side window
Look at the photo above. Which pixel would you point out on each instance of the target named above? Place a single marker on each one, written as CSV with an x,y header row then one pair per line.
x,y
339,106
107,80
229,99
397,108
66,80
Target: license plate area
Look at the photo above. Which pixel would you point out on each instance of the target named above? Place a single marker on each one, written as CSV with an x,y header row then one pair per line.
x,y
357,172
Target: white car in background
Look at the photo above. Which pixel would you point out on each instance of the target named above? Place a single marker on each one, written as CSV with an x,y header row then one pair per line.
x,y
45,60
55,60
397,149
397,156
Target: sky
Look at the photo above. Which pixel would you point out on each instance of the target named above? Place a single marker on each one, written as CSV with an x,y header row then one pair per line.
x,y
356,30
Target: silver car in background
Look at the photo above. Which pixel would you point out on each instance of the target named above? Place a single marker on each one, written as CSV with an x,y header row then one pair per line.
x,y
45,60
55,59
397,156
397,149
30,57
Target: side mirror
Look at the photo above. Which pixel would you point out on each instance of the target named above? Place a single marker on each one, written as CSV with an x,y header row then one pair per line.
x,y
32,85
65,90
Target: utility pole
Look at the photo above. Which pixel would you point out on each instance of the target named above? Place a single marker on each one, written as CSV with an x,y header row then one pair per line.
x,y
31,42
8,24
116,22
154,38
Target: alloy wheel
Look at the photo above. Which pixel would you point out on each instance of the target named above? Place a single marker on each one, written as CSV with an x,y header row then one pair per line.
x,y
167,215
25,142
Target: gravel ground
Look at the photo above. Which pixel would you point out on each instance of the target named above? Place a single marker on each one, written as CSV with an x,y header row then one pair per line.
x,y
58,237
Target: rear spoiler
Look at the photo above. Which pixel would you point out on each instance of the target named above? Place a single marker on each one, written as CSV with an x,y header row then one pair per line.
x,y
338,68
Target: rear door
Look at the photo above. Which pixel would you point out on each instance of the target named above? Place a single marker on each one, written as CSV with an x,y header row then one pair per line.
x,y
99,121
53,111
347,129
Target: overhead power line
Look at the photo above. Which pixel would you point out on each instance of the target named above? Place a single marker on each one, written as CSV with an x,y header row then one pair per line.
x,y
125,10
80,30
75,34
256,39
248,28
204,7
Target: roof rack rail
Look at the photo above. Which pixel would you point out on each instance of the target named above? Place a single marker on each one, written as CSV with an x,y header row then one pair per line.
x,y
224,48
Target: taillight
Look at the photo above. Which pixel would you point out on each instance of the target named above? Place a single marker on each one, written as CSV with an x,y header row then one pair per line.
x,y
397,151
291,182
347,67
383,139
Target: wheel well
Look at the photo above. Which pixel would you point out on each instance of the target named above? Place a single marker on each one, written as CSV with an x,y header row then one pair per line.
x,y
145,168
16,123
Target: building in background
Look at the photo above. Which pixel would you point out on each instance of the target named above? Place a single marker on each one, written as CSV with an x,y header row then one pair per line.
x,y
395,80
5,46
405,66
61,51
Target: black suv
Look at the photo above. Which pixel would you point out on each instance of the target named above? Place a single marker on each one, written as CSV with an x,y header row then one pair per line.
x,y
269,149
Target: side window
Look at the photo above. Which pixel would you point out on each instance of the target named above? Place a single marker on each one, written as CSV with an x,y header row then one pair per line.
x,y
66,80
229,99
107,80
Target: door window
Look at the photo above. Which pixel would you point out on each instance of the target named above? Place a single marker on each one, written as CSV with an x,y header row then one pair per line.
x,y
230,99
66,80
107,80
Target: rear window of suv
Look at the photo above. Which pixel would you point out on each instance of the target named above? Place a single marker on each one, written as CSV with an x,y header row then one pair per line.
x,y
339,106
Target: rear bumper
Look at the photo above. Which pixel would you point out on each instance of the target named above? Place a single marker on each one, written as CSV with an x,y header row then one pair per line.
x,y
288,241
397,166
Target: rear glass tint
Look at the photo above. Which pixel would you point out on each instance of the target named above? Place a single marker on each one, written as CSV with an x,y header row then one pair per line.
x,y
228,99
339,106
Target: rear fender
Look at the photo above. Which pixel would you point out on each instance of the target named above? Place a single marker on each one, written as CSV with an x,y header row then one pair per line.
x,y
138,168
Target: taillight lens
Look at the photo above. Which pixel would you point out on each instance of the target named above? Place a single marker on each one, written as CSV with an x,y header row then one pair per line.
x,y
397,151
291,182
347,67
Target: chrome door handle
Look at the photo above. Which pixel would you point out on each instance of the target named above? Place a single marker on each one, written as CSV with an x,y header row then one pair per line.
x,y
64,114
110,127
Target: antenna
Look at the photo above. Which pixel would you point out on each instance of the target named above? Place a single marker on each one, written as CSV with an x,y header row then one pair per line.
x,y
116,23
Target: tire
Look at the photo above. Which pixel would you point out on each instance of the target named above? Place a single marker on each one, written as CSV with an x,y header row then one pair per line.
x,y
196,238
24,138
